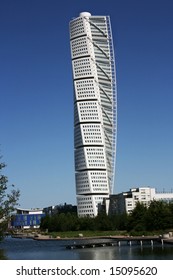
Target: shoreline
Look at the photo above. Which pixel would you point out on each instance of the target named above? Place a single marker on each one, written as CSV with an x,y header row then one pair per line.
x,y
114,238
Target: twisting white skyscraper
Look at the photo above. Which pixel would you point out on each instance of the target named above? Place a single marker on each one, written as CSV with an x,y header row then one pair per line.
x,y
95,110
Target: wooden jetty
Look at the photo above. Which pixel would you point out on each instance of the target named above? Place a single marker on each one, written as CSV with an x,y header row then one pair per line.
x,y
115,241
89,245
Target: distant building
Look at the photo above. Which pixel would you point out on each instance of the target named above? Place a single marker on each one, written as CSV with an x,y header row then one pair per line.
x,y
27,218
125,202
61,208
31,218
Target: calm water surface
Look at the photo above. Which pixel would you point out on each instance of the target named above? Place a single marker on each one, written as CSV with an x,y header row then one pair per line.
x,y
28,249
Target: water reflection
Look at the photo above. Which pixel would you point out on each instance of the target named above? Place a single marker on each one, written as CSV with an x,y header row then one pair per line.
x,y
28,249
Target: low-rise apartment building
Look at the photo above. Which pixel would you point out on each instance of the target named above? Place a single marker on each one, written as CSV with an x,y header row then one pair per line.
x,y
125,202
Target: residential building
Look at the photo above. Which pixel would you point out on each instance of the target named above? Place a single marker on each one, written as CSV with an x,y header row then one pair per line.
x,y
95,110
126,201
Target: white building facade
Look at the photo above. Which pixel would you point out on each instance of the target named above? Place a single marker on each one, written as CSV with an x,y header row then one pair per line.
x,y
95,110
143,195
126,201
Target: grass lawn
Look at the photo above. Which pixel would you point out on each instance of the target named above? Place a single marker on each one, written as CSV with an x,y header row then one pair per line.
x,y
71,234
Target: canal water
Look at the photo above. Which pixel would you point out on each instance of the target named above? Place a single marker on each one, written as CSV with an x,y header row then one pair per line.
x,y
29,249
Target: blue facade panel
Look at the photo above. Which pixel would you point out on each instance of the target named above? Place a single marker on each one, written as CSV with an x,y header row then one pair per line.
x,y
29,220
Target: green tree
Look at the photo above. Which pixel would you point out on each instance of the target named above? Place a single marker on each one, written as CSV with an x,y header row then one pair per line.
x,y
87,223
137,218
103,222
45,222
171,213
73,221
119,221
8,201
158,216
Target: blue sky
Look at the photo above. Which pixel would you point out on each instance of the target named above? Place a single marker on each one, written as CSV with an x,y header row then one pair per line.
x,y
36,95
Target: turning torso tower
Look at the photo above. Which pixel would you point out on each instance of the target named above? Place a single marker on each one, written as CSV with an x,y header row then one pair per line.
x,y
95,110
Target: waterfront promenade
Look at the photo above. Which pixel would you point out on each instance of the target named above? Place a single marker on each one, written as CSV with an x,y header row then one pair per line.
x,y
100,241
